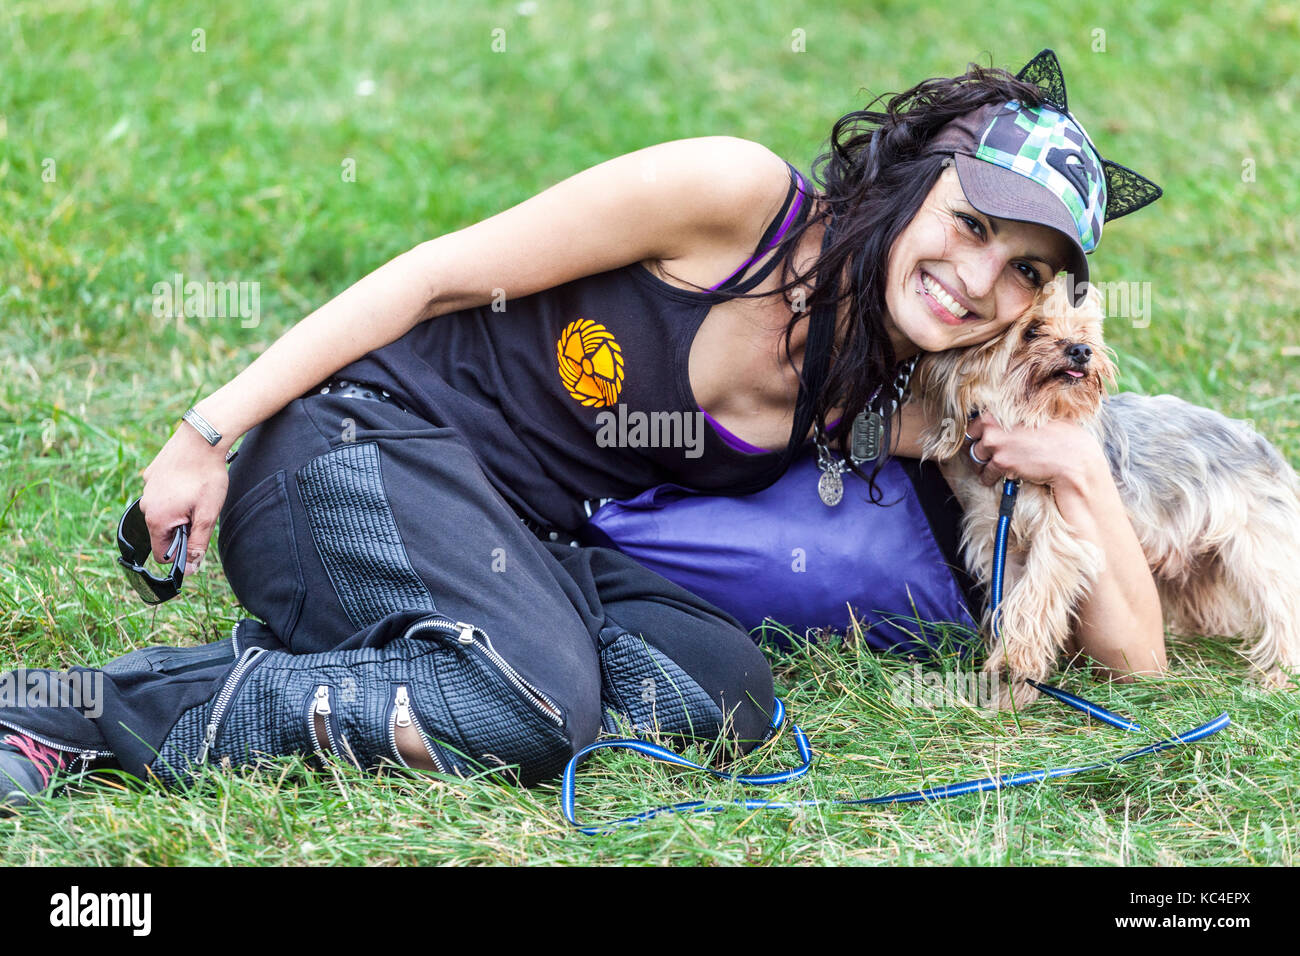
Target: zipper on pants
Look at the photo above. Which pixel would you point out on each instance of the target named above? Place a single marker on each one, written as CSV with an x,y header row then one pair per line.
x,y
403,715
320,706
85,756
464,634
246,662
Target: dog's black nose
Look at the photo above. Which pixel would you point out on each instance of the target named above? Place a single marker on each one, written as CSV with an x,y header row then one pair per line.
x,y
1079,353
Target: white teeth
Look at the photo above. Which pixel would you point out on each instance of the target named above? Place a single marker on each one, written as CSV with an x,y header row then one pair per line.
x,y
943,298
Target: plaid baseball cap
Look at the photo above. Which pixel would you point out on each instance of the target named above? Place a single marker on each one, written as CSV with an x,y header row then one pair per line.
x,y
1038,164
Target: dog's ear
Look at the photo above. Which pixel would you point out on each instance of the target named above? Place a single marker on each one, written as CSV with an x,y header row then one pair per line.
x,y
943,390
932,380
1109,370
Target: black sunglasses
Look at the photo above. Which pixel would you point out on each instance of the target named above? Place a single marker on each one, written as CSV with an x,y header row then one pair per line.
x,y
133,542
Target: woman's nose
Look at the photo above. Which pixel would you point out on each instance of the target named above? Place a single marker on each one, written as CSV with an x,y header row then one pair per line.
x,y
979,277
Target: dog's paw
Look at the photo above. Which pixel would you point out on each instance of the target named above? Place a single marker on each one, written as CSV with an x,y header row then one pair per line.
x,y
1009,689
1015,694
1008,673
1277,679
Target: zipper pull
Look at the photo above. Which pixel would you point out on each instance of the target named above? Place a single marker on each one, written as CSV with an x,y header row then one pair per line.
x,y
466,632
208,739
322,704
403,718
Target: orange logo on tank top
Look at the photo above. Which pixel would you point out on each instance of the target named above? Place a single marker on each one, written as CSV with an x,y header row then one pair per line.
x,y
591,363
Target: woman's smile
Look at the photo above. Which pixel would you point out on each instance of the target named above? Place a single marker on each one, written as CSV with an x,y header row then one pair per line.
x,y
946,306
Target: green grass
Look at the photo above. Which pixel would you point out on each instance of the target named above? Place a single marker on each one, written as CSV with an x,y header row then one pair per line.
x,y
225,165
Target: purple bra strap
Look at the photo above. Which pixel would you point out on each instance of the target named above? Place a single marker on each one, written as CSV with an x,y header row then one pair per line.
x,y
738,443
785,226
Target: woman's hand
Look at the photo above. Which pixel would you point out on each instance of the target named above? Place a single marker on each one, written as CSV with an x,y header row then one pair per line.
x,y
1053,453
185,484
1120,622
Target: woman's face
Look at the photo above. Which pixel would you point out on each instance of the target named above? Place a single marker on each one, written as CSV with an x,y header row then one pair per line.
x,y
959,277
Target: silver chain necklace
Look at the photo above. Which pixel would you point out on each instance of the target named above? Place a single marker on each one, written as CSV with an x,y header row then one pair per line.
x,y
867,438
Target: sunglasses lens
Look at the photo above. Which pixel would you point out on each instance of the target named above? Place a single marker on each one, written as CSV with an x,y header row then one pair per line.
x,y
134,542
141,584
133,532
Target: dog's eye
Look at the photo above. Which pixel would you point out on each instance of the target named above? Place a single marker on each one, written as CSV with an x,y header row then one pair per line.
x,y
1033,332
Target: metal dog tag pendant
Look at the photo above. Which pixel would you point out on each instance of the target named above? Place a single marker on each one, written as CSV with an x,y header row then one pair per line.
x,y
830,487
868,428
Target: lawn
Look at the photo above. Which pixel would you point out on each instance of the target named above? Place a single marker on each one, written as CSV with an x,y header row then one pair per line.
x,y
301,146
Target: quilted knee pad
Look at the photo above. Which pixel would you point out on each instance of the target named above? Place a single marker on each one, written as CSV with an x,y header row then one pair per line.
x,y
473,709
649,689
725,692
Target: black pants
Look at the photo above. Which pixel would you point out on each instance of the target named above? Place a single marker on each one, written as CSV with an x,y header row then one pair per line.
x,y
347,523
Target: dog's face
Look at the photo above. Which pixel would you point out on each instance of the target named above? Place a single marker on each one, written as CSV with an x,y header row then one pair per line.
x,y
1051,364
1055,365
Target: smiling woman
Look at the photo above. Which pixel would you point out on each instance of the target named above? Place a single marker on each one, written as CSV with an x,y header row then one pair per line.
x,y
972,272
413,450
958,205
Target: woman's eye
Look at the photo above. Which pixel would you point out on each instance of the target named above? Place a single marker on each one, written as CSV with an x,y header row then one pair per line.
x,y
1030,273
972,224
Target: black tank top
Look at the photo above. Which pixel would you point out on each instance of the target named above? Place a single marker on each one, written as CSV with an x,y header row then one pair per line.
x,y
581,392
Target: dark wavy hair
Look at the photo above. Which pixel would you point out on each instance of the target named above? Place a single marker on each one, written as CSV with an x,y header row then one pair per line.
x,y
872,181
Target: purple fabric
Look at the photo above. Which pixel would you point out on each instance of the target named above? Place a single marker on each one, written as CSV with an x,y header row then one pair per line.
x,y
734,441
739,443
782,554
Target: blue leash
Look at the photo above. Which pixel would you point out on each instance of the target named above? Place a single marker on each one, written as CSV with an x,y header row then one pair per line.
x,y
1005,507
568,787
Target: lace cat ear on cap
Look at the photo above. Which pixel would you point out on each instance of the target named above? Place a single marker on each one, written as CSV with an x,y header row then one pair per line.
x,y
1126,190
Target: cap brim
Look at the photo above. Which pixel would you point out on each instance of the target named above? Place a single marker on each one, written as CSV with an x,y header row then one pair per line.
x,y
1000,192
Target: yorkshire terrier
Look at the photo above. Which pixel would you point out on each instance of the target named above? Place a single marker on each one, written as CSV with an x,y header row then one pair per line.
x,y
1216,508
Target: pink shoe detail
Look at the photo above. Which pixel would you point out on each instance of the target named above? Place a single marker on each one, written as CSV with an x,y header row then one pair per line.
x,y
45,759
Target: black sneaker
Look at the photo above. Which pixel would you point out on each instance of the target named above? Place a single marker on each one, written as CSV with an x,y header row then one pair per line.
x,y
25,768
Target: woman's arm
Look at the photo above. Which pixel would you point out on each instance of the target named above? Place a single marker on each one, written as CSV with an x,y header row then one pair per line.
x,y
909,425
1120,624
378,309
657,202
186,482
660,202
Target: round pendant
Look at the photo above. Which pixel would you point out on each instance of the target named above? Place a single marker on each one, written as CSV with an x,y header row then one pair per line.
x,y
830,487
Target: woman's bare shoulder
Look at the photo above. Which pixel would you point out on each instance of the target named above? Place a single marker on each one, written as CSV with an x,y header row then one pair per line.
x,y
749,183
695,200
